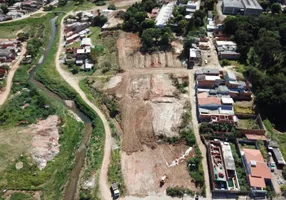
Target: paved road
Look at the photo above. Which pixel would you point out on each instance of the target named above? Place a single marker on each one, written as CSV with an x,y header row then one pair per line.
x,y
9,79
73,82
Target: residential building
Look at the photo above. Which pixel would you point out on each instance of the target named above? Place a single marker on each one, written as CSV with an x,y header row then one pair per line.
x,y
195,57
276,154
206,81
7,55
222,167
230,55
207,71
259,175
165,14
85,42
215,109
192,6
243,7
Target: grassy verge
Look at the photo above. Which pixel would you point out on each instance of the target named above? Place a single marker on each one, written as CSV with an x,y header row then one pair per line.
x,y
273,135
114,169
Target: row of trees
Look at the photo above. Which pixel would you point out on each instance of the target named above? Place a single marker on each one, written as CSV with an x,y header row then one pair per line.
x,y
262,43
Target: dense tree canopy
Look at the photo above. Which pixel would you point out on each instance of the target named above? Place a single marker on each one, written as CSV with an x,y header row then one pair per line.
x,y
262,44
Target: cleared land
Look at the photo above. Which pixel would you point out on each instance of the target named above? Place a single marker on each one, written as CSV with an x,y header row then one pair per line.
x,y
150,106
142,171
130,57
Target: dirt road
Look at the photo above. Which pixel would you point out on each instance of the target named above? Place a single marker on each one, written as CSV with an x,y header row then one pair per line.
x,y
4,95
73,82
196,131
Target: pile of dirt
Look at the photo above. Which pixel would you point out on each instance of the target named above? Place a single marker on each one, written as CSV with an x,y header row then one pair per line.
x,y
149,105
45,142
129,55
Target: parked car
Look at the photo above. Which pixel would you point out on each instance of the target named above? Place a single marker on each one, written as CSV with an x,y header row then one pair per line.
x,y
272,166
114,190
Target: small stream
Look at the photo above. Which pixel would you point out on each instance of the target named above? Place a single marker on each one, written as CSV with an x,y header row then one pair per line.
x,y
71,188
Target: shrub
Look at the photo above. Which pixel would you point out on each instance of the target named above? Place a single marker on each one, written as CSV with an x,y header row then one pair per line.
x,y
224,62
100,3
178,191
111,7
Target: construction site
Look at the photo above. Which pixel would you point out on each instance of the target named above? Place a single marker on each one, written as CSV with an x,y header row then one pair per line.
x,y
151,97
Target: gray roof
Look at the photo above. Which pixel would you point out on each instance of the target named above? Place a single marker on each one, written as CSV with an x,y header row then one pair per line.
x,y
222,89
5,52
251,4
210,71
233,4
230,75
277,153
273,144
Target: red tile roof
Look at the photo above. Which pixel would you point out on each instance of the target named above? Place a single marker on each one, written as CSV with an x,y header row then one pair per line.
x,y
253,154
256,182
259,171
203,99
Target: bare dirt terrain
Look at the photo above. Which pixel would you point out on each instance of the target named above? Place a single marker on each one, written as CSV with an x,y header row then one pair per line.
x,y
142,171
150,106
129,55
45,143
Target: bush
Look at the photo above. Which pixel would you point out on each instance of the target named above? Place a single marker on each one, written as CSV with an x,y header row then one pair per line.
x,y
178,191
100,3
111,7
224,62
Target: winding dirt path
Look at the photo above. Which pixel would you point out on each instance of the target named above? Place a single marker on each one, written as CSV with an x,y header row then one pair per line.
x,y
9,79
74,82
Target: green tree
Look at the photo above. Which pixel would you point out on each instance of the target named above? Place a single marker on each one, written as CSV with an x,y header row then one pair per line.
x,y
276,8
252,58
23,36
148,23
62,3
182,25
111,7
98,20
4,9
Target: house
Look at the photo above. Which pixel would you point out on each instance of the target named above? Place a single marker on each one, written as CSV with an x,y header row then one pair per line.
x,y
206,81
207,71
7,55
71,38
85,42
276,153
242,7
165,14
230,76
76,27
15,14
192,6
259,175
195,57
230,55
30,5
222,167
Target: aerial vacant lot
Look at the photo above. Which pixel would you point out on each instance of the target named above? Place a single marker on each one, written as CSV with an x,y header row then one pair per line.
x,y
129,55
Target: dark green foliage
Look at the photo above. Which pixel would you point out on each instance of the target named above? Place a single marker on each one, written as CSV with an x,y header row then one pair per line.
x,y
261,42
228,129
178,191
4,9
111,7
99,21
189,137
62,3
136,14
284,172
276,8
196,168
21,196
240,171
153,39
48,8
33,46
224,62
23,36
100,3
